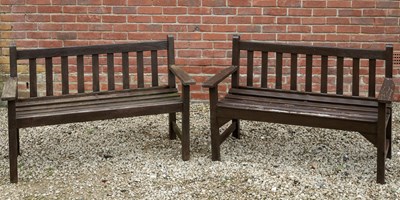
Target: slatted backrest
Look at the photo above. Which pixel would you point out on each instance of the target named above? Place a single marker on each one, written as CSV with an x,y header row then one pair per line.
x,y
95,54
310,58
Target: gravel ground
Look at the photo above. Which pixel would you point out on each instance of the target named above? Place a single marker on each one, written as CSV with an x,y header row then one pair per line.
x,y
133,158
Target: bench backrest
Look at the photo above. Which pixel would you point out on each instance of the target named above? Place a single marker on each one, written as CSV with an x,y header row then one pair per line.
x,y
98,55
314,61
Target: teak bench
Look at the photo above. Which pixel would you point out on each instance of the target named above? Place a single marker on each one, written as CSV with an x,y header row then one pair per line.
x,y
97,104
371,116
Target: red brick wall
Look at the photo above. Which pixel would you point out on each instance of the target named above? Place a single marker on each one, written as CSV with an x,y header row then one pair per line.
x,y
202,28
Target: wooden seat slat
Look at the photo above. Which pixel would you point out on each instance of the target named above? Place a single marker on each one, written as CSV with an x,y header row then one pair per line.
x,y
97,101
92,96
304,97
360,108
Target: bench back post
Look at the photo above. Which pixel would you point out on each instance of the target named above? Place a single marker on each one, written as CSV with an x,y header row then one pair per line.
x,y
171,60
13,61
235,60
389,61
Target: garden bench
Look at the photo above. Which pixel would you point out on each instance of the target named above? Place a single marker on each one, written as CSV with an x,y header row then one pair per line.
x,y
134,96
321,102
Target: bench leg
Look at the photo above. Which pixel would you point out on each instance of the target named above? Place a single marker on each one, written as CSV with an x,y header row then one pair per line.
x,y
215,140
389,137
12,142
171,121
18,144
381,143
186,124
236,132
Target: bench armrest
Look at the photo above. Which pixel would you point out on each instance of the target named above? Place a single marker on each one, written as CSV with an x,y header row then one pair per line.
x,y
10,89
182,75
387,91
213,81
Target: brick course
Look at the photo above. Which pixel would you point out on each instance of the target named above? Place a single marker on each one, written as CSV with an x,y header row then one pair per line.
x,y
202,28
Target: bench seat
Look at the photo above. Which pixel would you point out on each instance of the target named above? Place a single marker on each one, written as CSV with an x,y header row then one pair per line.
x,y
96,106
300,108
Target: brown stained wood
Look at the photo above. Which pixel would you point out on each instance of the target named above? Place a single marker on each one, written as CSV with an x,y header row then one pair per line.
x,y
228,131
171,60
80,72
372,78
278,82
96,105
182,75
293,71
140,69
64,75
154,68
10,89
264,69
309,58
235,60
110,71
339,75
367,115
95,72
389,61
250,61
387,91
32,78
324,74
95,102
214,80
13,61
177,130
93,96
125,70
356,77
93,49
314,50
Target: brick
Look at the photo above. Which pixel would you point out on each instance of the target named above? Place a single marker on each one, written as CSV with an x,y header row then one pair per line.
x,y
194,3
299,29
249,11
149,10
324,29
50,44
362,20
63,2
114,2
5,27
75,27
164,2
337,38
275,11
214,3
49,9
12,2
350,13
150,27
224,28
189,36
174,10
113,19
140,3
387,21
375,12
388,4
224,11
214,20
264,20
89,2
339,4
274,29
38,2
239,20
139,19
174,28
264,3
338,20
189,53
99,10
214,36
199,11
115,36
288,20
300,12
289,3
314,20
23,9
239,3
74,9
12,18
249,29
100,27
313,37
63,18
364,4
124,10
189,19
324,12
373,30
314,4
24,26
264,37
348,29
164,19
88,18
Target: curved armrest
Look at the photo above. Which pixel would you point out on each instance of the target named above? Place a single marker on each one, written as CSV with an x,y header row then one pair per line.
x,y
10,89
182,75
387,91
213,81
